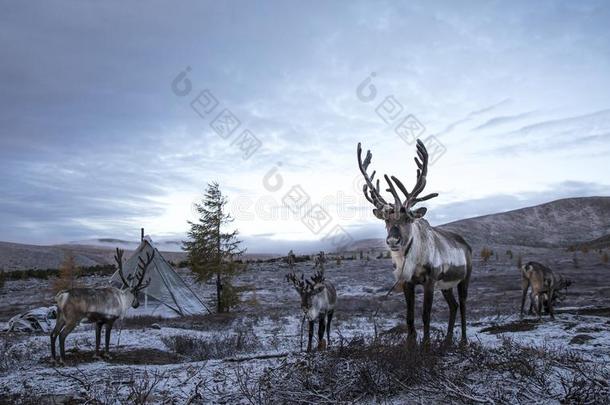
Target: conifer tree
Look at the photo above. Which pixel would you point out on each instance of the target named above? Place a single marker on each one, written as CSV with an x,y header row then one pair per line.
x,y
211,249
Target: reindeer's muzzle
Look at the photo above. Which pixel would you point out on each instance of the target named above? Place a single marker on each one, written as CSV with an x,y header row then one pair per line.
x,y
394,240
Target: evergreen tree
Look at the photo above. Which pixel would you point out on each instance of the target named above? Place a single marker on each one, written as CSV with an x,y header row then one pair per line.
x,y
211,250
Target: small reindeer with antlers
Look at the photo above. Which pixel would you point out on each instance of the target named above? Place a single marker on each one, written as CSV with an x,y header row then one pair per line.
x,y
318,299
102,306
421,254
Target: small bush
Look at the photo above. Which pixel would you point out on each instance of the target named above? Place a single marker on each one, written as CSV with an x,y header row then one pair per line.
x,y
486,253
215,347
68,273
393,371
605,257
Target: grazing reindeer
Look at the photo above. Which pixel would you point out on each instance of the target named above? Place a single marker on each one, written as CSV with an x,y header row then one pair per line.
x,y
102,306
545,287
421,254
318,299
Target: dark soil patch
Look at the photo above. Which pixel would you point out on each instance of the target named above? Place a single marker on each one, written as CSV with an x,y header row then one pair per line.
x,y
581,339
517,326
605,312
589,329
131,357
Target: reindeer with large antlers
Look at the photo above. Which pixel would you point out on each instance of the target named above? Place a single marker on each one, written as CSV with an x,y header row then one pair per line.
x,y
421,254
318,300
102,306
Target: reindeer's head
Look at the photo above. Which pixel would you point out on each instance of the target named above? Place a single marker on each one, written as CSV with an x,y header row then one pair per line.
x,y
309,290
134,284
400,215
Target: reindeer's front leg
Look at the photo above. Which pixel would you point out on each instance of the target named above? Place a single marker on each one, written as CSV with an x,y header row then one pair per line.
x,y
321,328
108,330
428,296
525,284
409,291
310,336
98,333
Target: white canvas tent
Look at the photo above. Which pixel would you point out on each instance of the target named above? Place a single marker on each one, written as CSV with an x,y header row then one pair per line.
x,y
166,286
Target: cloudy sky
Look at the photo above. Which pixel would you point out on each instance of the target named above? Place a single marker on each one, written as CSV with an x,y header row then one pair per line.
x,y
101,134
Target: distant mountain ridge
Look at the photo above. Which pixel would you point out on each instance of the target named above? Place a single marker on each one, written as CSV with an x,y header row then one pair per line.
x,y
558,223
561,223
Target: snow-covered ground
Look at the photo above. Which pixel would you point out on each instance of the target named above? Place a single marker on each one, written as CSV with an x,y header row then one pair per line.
x,y
222,358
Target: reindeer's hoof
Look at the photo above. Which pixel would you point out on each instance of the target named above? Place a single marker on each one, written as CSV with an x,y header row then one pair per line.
x,y
106,356
448,342
322,345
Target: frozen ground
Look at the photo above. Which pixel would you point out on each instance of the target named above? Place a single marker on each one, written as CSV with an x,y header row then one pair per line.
x,y
254,354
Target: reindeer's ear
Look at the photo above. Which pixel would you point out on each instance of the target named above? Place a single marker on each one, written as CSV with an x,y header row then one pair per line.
x,y
420,212
378,213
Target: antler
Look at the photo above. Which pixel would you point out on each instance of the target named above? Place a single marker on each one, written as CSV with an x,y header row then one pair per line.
x,y
318,277
299,285
141,272
118,257
371,192
411,197
422,171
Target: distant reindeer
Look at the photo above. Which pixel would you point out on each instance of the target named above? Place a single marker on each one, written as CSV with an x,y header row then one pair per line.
x,y
102,306
318,299
545,286
421,254
319,262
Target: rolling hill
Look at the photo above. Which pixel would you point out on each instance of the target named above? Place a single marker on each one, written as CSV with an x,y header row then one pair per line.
x,y
559,223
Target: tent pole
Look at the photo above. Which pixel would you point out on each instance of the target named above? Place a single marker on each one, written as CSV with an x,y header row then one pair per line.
x,y
145,300
141,234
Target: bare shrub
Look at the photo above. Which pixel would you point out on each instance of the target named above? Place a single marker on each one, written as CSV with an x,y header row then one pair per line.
x,y
214,347
390,369
68,274
486,253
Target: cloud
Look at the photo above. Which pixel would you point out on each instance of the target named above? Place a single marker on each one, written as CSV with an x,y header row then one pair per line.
x,y
94,143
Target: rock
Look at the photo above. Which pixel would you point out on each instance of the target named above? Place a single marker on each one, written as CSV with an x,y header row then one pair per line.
x,y
581,339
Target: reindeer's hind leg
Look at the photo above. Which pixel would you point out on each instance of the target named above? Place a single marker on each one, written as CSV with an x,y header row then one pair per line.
x,y
462,296
59,324
69,327
550,302
453,306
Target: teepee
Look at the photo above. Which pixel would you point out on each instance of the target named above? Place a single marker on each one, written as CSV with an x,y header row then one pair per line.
x,y
166,286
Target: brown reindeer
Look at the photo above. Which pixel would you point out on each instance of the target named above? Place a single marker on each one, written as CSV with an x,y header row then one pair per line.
x,y
544,285
102,306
